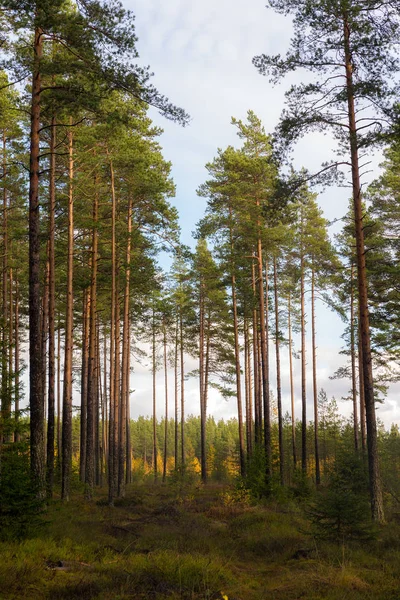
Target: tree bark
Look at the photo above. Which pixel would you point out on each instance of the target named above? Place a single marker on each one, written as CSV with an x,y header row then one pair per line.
x,y
5,376
37,449
183,459
303,362
294,451
92,383
372,439
52,310
67,390
166,401
176,424
278,377
17,436
128,411
315,389
154,402
353,362
59,396
242,456
264,367
113,391
257,390
247,377
84,382
125,361
202,383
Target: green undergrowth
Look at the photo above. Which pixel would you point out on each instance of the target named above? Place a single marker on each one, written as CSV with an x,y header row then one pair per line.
x,y
193,542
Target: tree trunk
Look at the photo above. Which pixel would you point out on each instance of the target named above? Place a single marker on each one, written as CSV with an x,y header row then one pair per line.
x,y
67,390
202,384
315,389
59,396
52,309
92,384
154,402
303,366
247,377
182,391
166,402
372,439
242,456
362,395
117,384
128,411
264,367
125,360
176,424
17,436
37,449
113,391
84,382
44,327
353,362
278,377
5,379
257,390
292,382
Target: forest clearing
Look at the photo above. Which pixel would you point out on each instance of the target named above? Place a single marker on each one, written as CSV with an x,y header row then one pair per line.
x,y
189,541
199,370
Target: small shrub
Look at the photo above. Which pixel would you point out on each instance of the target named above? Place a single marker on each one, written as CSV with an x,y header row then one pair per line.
x,y
19,504
341,509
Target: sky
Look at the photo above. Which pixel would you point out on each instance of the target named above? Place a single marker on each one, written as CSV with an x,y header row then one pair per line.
x,y
201,55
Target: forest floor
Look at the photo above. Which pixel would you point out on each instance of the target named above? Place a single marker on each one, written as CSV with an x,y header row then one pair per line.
x,y
192,542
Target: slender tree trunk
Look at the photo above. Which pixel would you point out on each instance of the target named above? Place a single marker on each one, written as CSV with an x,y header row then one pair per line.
x,y
315,389
97,375
44,328
10,348
176,424
247,378
128,411
84,382
294,452
92,383
125,360
113,391
183,459
117,384
303,368
17,436
67,390
101,408
59,396
353,362
154,402
202,384
264,366
242,456
52,310
278,377
37,449
5,381
106,431
372,439
257,390
166,402
362,394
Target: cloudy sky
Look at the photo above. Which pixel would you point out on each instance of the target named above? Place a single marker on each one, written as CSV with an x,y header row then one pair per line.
x,y
201,55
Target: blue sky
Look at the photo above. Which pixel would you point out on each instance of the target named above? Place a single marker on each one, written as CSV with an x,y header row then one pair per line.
x,y
201,55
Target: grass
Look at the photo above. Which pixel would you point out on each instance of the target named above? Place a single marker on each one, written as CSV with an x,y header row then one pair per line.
x,y
192,543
